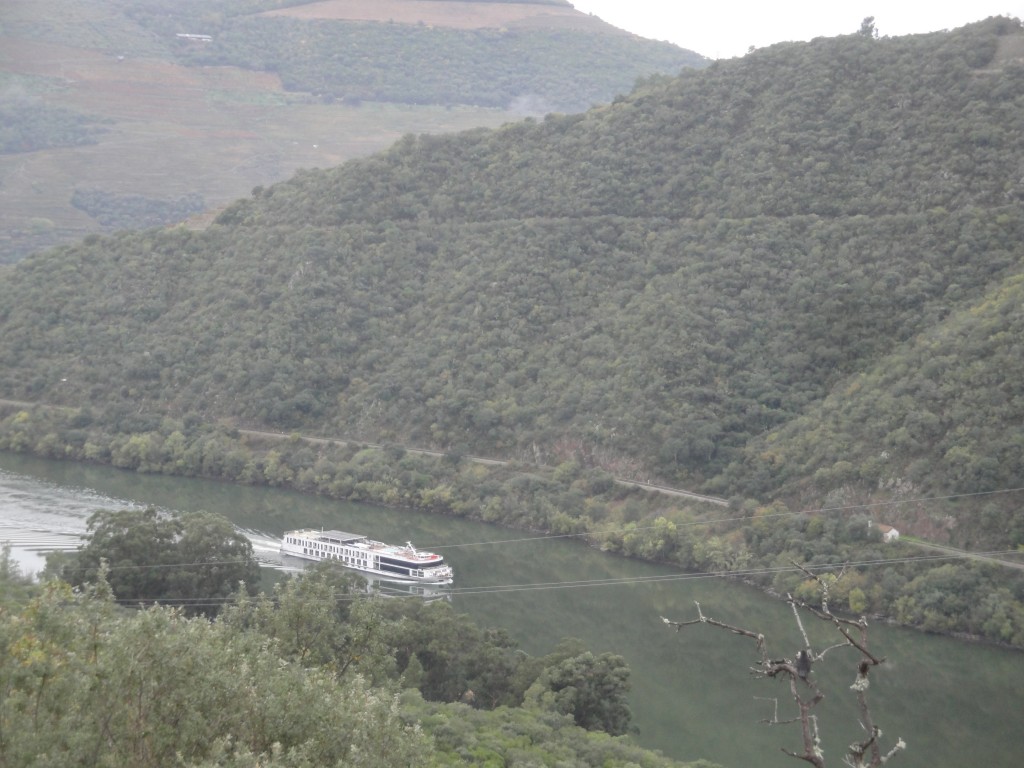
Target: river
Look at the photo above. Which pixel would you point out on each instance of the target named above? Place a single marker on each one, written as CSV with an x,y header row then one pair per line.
x,y
954,703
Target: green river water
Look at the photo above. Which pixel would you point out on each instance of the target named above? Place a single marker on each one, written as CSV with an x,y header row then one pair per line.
x,y
955,703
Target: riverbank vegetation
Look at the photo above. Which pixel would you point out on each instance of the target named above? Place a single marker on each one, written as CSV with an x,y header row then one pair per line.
x,y
316,674
900,582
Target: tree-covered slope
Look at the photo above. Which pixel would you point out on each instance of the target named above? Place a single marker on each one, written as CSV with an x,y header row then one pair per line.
x,y
840,127
942,412
647,286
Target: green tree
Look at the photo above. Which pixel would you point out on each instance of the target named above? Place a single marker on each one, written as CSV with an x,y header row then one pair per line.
x,y
214,559
452,659
14,585
195,559
84,684
322,617
858,600
593,689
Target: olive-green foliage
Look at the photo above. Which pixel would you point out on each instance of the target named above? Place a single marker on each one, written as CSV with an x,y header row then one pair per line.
x,y
517,736
448,658
323,619
193,559
15,584
968,597
538,70
84,684
318,620
591,688
932,598
532,70
421,72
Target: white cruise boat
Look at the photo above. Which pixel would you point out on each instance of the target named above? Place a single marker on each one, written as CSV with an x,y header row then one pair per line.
x,y
352,550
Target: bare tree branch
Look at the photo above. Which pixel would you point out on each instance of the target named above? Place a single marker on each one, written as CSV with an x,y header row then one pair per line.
x,y
799,623
804,689
702,619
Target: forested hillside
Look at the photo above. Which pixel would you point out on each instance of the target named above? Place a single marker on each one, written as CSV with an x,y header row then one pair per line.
x,y
658,281
138,105
792,273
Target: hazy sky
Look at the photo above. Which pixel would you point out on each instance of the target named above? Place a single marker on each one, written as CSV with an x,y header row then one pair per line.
x,y
723,28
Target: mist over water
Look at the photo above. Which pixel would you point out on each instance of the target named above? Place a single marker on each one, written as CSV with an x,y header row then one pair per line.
x,y
954,703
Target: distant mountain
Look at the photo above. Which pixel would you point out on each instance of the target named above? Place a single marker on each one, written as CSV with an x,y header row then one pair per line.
x,y
792,273
122,114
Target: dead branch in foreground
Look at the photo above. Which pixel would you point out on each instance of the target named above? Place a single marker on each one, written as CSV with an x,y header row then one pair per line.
x,y
866,753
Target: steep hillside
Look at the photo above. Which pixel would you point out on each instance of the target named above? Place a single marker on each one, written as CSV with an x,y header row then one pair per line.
x,y
122,114
941,414
654,286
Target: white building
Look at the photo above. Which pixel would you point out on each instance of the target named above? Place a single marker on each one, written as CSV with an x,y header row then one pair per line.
x,y
888,533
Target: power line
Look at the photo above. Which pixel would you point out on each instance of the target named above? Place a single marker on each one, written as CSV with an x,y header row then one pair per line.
x,y
717,574
155,566
610,582
495,589
621,529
